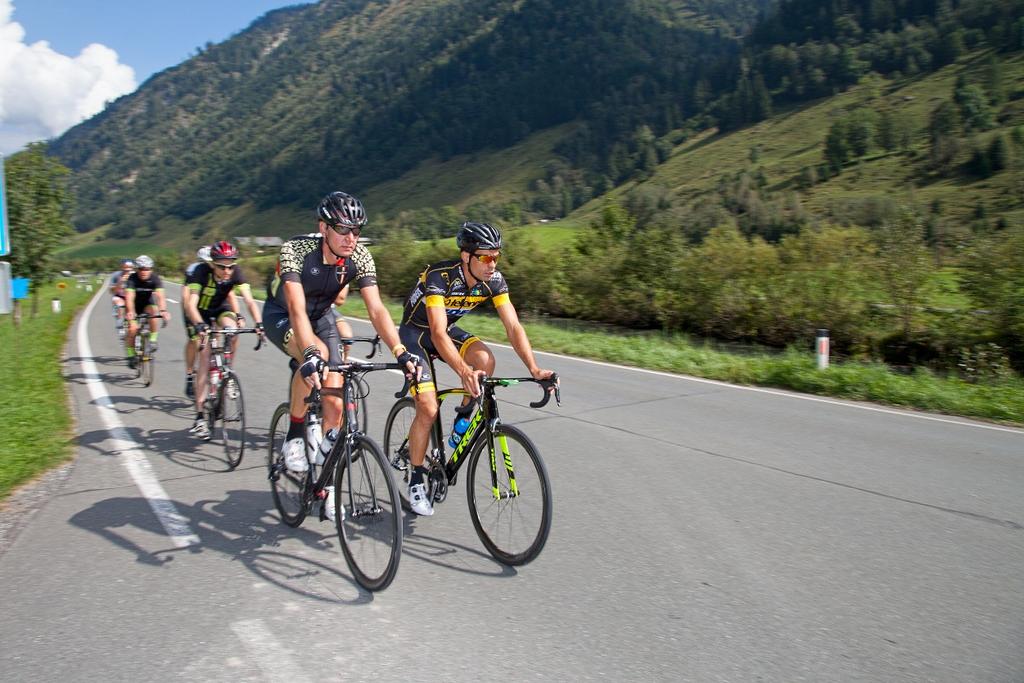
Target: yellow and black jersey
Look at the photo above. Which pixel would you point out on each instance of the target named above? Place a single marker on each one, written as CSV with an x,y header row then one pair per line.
x,y
301,260
443,285
211,292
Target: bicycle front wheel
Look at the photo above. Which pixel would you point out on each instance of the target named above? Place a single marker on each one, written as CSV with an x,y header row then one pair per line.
x,y
509,496
146,363
288,488
367,514
232,419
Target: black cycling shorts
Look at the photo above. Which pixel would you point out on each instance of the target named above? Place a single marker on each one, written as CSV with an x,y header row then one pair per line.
x,y
279,330
418,341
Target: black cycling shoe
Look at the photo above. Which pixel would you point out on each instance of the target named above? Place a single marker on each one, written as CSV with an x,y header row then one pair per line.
x,y
133,362
190,390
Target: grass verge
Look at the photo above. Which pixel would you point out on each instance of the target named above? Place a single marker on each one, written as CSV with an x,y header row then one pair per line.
x,y
37,429
795,370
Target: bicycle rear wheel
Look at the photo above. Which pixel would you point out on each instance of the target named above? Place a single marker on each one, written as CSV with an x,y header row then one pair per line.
x,y
232,418
366,510
396,444
509,496
288,488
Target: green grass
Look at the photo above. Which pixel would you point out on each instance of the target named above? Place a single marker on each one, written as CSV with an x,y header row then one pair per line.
x,y
37,426
794,370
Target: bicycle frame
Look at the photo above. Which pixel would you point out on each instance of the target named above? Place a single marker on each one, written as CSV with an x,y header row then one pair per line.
x,y
486,415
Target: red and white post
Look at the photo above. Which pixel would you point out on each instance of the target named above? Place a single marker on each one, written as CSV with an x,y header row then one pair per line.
x,y
821,346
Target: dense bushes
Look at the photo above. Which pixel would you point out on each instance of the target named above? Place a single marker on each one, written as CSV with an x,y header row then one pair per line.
x,y
870,286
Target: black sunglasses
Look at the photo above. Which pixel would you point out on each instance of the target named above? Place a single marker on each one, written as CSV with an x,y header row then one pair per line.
x,y
345,229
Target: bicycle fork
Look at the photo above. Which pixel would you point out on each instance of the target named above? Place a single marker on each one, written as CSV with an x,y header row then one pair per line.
x,y
513,488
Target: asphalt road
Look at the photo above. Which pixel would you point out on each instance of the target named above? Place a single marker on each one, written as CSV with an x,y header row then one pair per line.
x,y
702,532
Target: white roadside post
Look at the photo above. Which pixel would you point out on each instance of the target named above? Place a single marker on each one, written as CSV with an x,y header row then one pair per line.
x,y
821,346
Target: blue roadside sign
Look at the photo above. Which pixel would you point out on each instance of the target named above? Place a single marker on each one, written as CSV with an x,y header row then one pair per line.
x,y
5,236
19,287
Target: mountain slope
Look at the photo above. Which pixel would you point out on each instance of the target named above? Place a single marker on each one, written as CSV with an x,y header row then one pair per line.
x,y
349,93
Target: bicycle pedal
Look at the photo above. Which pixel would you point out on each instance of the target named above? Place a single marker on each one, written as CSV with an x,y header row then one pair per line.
x,y
440,491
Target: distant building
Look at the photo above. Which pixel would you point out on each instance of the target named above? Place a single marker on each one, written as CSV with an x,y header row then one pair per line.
x,y
260,240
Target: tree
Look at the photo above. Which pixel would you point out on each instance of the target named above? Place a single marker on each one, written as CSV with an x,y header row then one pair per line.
x,y
837,150
942,126
860,131
904,265
38,208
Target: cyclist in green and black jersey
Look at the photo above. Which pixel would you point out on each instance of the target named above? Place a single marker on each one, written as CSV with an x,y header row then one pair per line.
x,y
311,272
212,300
445,292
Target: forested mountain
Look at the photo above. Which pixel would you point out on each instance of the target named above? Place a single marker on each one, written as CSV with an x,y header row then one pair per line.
x,y
352,93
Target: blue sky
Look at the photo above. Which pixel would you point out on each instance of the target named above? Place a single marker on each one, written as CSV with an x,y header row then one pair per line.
x,y
95,51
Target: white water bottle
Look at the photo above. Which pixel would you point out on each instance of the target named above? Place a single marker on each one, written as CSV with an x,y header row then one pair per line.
x,y
314,435
326,445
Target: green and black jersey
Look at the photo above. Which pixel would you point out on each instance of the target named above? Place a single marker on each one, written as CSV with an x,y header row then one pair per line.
x,y
211,293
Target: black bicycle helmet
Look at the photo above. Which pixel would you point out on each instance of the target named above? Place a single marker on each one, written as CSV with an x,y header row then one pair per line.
x,y
473,236
339,208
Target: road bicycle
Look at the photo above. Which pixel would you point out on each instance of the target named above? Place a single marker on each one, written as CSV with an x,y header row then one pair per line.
x,y
117,310
507,487
145,349
365,501
224,406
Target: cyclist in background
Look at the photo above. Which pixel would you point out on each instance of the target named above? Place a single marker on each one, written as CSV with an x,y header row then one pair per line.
x,y
212,300
311,272
116,286
190,348
144,293
445,292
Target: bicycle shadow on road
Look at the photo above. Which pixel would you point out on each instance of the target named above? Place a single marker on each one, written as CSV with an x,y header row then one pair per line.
x,y
177,446
244,528
442,553
174,406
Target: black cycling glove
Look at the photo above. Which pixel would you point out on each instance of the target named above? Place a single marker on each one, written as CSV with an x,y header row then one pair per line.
x,y
313,364
406,357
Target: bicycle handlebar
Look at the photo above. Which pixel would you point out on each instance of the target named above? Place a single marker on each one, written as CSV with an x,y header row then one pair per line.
x,y
350,367
230,331
374,341
144,317
547,385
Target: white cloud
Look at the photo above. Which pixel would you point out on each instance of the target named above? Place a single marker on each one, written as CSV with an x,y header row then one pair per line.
x,y
43,93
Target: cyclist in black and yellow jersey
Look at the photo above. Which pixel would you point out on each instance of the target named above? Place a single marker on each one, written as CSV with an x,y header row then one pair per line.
x,y
213,292
445,292
312,270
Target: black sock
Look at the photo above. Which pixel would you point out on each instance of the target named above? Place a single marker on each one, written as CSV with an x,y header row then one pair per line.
x,y
295,429
418,475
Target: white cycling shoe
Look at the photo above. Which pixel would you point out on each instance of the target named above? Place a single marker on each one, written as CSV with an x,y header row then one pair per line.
x,y
294,452
329,505
419,501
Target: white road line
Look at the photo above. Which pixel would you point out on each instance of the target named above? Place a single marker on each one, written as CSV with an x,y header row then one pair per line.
x,y
131,454
774,392
274,660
